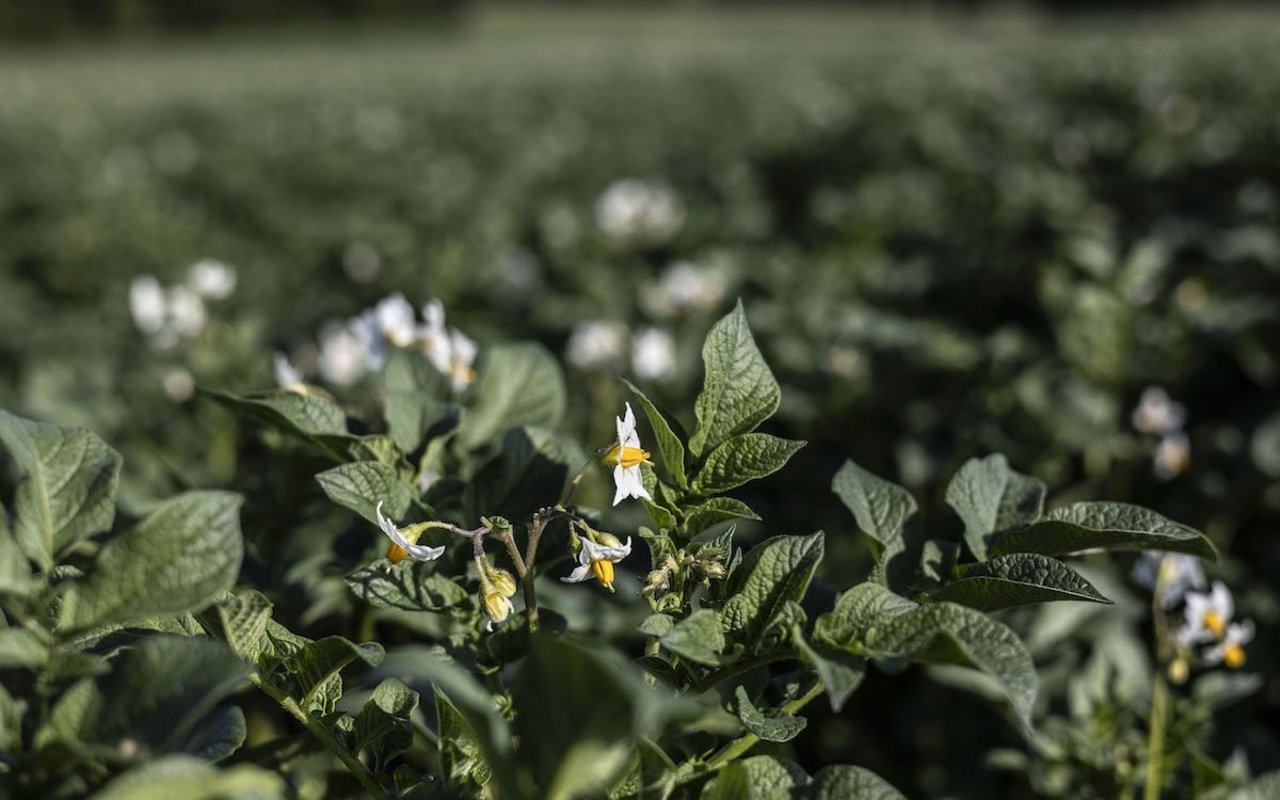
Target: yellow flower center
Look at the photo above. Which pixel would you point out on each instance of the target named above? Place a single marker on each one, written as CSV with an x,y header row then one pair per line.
x,y
396,553
626,457
462,373
603,570
1214,622
1233,656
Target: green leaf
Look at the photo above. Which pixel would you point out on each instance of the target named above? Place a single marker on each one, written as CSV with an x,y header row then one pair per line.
x,y
68,490
774,725
317,663
218,735
413,392
1017,579
732,782
937,558
871,621
192,779
409,586
178,559
844,782
518,384
579,713
1106,526
360,486
242,622
657,625
769,777
664,426
880,507
841,673
309,415
1266,787
383,727
741,459
527,474
774,572
20,648
991,498
461,758
154,695
714,511
738,391
698,638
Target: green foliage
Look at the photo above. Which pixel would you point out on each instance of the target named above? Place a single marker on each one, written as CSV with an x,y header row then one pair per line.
x,y
738,391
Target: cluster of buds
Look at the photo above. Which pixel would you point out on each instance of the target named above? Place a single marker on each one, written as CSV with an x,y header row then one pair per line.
x,y
496,589
667,585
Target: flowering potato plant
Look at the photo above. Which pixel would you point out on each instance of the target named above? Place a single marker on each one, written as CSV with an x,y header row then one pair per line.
x,y
512,640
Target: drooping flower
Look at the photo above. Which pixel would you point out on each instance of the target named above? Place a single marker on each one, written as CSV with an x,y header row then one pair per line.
x,y
1230,650
496,587
404,542
597,560
1207,615
1172,574
626,456
450,351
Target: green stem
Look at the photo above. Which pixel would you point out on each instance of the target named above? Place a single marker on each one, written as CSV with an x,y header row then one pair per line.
x,y
1155,742
1159,692
744,743
317,729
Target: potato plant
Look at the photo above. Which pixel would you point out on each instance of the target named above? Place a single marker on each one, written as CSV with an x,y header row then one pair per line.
x,y
475,628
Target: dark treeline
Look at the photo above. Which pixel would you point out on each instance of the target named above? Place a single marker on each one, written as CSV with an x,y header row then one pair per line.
x,y
24,19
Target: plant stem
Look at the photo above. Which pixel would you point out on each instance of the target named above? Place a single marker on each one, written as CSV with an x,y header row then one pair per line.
x,y
1159,692
1155,741
744,743
317,729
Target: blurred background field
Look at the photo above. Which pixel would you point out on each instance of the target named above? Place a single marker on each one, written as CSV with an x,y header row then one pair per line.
x,y
954,234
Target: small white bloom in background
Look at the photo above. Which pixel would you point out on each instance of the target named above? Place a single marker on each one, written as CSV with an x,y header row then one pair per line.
x,y
366,328
179,385
1174,573
426,479
401,545
451,352
684,287
211,279
595,344
462,355
1207,615
653,354
395,320
185,311
1231,649
287,375
1157,413
638,211
1172,456
343,355
626,456
147,304
597,560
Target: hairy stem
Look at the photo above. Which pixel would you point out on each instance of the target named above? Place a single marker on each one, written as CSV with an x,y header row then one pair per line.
x,y
317,729
1159,692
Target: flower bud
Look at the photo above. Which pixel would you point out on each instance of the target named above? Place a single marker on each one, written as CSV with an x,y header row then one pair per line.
x,y
503,582
608,539
496,607
1178,671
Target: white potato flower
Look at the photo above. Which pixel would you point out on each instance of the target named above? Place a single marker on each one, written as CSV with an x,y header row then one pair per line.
x,y
344,354
596,343
1157,413
597,560
401,545
626,456
395,320
287,375
1230,650
147,304
1207,615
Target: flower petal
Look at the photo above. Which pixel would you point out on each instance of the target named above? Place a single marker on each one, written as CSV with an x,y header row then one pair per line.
x,y
578,575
